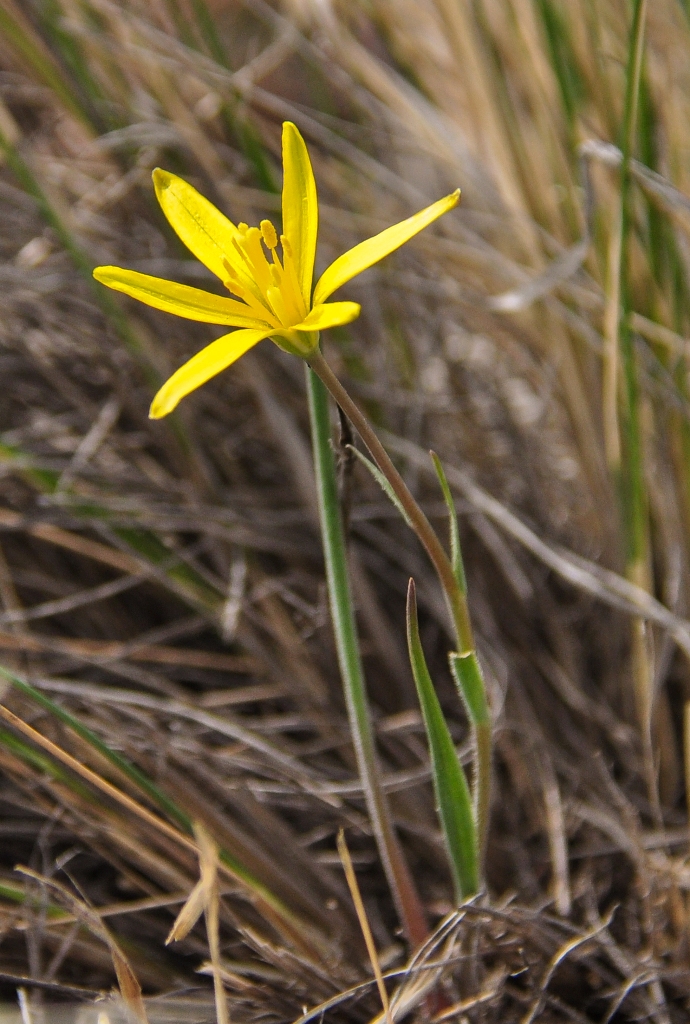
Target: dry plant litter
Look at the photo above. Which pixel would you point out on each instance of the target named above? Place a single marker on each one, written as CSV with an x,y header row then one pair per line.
x,y
163,584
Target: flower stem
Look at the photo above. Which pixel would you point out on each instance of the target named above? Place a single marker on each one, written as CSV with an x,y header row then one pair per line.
x,y
457,603
408,903
456,599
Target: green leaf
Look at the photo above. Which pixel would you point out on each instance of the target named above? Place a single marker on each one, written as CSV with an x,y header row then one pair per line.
x,y
117,760
450,784
159,798
383,483
455,550
470,683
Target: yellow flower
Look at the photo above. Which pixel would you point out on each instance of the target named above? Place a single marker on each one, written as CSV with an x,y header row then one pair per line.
x,y
273,292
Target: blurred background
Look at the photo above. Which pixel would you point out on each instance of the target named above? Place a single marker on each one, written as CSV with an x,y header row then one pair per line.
x,y
163,582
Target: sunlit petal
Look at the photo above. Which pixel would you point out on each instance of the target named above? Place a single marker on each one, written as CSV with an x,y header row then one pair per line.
x,y
205,364
300,206
332,314
374,249
191,303
200,225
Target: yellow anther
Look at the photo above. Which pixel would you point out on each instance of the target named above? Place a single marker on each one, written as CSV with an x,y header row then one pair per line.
x,y
242,228
269,234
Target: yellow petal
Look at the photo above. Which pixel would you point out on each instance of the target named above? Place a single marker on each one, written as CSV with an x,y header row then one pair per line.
x,y
332,314
191,303
200,225
300,206
205,364
374,249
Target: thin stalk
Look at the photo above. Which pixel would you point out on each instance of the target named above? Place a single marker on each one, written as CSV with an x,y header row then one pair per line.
x,y
456,600
630,472
455,596
633,470
408,903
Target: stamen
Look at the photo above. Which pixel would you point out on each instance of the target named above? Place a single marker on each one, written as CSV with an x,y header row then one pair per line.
x,y
242,253
276,299
292,282
292,311
242,228
235,285
269,235
259,263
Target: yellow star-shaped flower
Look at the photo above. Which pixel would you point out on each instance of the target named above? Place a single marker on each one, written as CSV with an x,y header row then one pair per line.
x,y
273,292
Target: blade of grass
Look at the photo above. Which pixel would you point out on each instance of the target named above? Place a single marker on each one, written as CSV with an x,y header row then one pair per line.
x,y
382,482
468,678
131,772
455,549
353,886
453,799
265,900
29,182
129,986
17,30
188,584
470,681
628,454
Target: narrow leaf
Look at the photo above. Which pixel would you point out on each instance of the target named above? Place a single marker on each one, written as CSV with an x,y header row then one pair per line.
x,y
450,784
455,550
470,683
117,760
382,481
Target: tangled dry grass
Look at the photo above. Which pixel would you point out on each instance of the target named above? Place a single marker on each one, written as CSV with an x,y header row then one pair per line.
x,y
163,582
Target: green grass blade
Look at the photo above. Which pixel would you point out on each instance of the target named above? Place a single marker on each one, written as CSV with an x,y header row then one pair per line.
x,y
470,683
39,760
469,680
18,32
634,498
136,776
42,763
563,61
14,893
184,580
28,181
455,549
383,483
450,784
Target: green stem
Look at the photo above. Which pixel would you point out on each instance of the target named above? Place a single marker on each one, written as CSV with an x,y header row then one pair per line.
x,y
634,495
457,602
402,886
455,597
632,488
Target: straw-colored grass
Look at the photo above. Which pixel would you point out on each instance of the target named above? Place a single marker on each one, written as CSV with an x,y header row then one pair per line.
x,y
163,583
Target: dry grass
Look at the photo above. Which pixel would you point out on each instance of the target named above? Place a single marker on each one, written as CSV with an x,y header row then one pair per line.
x,y
163,582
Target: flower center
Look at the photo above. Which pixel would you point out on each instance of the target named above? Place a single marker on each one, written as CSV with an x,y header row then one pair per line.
x,y
270,288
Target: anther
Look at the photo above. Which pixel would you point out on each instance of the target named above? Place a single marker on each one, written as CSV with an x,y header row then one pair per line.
x,y
269,235
242,228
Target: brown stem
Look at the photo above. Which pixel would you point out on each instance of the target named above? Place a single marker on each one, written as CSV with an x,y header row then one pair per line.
x,y
457,603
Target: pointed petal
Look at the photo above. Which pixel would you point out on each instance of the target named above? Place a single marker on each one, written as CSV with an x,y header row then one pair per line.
x,y
331,314
300,206
200,225
181,299
205,364
374,249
